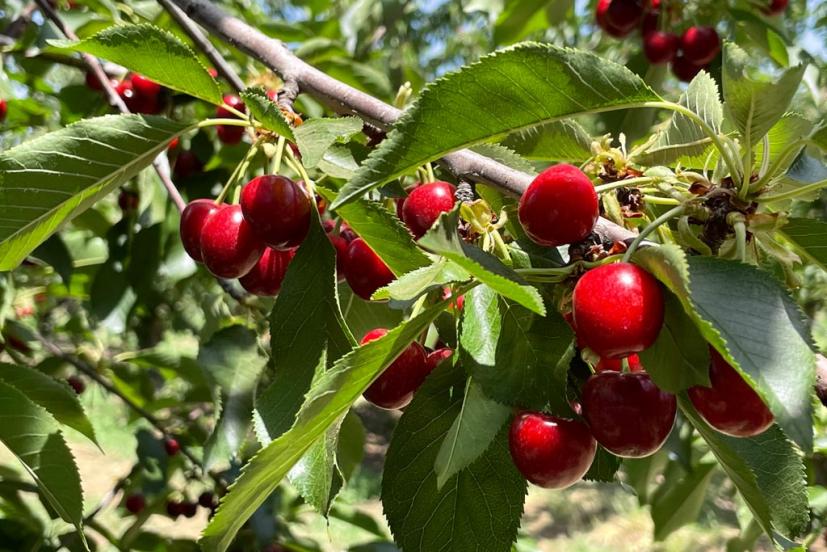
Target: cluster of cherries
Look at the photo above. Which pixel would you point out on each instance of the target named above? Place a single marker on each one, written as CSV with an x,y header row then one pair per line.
x,y
617,311
688,53
140,94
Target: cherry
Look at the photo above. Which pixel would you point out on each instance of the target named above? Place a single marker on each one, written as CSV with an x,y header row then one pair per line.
x,y
660,47
173,144
340,243
193,217
618,309
76,384
187,164
145,87
684,69
189,509
730,405
602,18
233,101
128,201
229,246
459,302
206,499
435,357
549,451
700,45
171,446
651,20
559,207
394,388
777,6
616,364
92,82
365,271
135,101
627,413
4,109
277,209
213,72
268,273
135,503
425,203
227,134
624,15
174,508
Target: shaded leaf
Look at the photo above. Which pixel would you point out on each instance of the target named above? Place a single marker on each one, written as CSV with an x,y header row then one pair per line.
x,y
563,141
682,502
267,112
315,136
809,238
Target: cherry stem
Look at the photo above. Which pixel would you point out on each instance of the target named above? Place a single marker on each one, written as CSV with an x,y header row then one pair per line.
x,y
690,239
429,168
224,122
276,167
239,172
665,217
299,168
657,200
629,182
740,240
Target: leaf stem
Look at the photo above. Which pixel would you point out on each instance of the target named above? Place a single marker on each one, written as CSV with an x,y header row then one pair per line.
x,y
226,122
625,183
665,217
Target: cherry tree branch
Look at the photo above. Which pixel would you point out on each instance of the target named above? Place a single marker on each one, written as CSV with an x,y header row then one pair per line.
x,y
345,99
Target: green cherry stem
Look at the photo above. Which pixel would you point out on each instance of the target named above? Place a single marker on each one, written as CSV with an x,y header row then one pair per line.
x,y
797,192
633,182
657,200
279,155
226,122
665,217
239,172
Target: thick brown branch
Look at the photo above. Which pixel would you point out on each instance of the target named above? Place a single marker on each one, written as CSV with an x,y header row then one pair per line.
x,y
347,100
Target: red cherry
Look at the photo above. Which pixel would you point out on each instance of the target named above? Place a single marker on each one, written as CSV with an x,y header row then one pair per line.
x,y
627,413
135,503
624,15
616,364
206,499
559,207
174,508
233,101
4,109
394,388
777,6
173,144
551,452
187,164
76,384
700,45
602,18
365,271
189,509
128,201
424,204
229,135
267,275
618,309
171,446
341,245
229,246
277,209
145,87
436,356
192,225
660,47
730,405
651,22
92,82
684,69
273,95
213,72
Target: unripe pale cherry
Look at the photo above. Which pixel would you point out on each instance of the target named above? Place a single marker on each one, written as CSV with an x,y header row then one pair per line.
x,y
730,405
193,217
700,45
549,451
266,276
277,209
618,309
424,204
627,413
560,206
229,247
395,387
365,271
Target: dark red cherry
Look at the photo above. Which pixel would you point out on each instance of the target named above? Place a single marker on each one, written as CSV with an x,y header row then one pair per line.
x,y
624,15
187,164
341,245
206,499
602,18
700,45
135,503
4,109
616,364
436,356
551,452
174,508
684,69
233,101
189,509
267,275
618,309
128,201
395,387
145,87
228,134
92,82
171,446
660,47
424,204
229,247
193,217
559,207
365,271
277,209
730,405
76,383
651,21
627,413
777,6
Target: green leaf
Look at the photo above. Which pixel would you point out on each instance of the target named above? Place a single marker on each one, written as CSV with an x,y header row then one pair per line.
x,y
683,136
516,357
267,112
755,105
679,358
478,509
604,467
520,18
791,128
413,284
526,85
763,335
383,232
154,53
475,427
315,136
34,437
315,475
57,398
444,240
809,238
362,316
562,141
232,364
682,502
504,155
326,402
47,181
766,470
